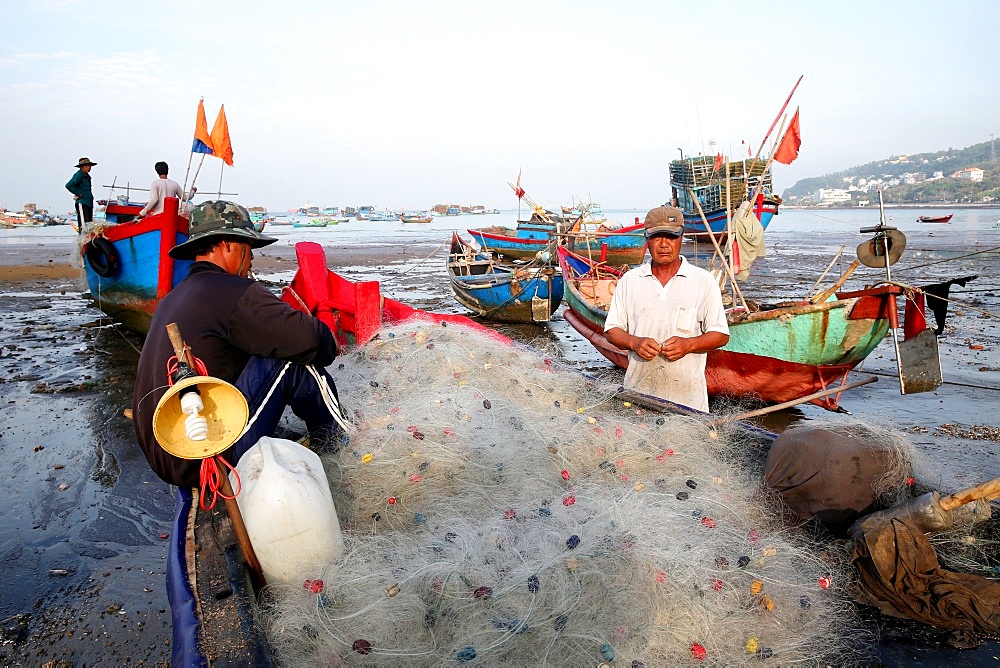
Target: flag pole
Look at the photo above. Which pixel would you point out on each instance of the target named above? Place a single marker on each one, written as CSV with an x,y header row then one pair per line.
x,y
778,117
187,172
222,168
198,171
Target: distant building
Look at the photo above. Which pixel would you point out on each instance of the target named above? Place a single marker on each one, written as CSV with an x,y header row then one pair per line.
x,y
971,173
831,195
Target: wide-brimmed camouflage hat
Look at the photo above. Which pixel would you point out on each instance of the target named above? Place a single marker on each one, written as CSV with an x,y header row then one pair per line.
x,y
219,218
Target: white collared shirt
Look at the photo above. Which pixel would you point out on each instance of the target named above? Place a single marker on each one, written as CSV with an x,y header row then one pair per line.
x,y
689,305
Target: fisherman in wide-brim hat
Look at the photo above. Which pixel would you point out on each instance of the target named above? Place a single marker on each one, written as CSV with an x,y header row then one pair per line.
x,y
216,220
83,195
274,354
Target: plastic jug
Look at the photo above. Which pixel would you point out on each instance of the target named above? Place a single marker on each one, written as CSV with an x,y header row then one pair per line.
x,y
288,510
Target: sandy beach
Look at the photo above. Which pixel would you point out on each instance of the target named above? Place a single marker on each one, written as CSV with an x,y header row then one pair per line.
x,y
83,538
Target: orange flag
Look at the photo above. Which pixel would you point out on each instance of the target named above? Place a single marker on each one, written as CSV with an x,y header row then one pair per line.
x,y
718,161
221,144
202,142
788,149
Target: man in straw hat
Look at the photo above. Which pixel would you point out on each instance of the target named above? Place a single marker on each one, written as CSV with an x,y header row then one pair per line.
x,y
668,314
83,196
244,334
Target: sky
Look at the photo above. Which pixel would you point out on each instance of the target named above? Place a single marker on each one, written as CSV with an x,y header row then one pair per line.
x,y
406,104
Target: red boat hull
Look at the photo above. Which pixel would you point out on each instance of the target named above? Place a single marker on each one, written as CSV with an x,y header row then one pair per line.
x,y
354,311
738,375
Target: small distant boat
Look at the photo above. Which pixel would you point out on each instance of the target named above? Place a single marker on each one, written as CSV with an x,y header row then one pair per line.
x,y
417,218
502,293
309,222
935,219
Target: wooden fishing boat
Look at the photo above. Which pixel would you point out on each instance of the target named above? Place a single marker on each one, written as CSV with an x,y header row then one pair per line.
x,y
416,218
616,247
626,245
309,222
748,180
936,219
126,263
502,293
779,353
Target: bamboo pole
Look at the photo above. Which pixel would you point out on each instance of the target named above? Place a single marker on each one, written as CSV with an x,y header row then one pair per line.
x,y
793,402
715,242
823,296
783,107
183,353
825,272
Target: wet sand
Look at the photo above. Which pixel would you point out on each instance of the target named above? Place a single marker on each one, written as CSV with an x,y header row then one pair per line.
x,y
83,535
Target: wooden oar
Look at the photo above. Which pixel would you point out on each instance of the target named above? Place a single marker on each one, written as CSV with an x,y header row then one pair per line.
x,y
987,490
928,513
793,402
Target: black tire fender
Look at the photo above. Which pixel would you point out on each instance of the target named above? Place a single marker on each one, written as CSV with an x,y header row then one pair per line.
x,y
103,257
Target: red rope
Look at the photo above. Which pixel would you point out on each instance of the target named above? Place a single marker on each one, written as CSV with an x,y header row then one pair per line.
x,y
173,364
211,477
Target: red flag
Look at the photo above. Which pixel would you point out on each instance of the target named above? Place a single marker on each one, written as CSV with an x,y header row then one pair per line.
x,y
788,149
718,161
519,191
202,142
221,144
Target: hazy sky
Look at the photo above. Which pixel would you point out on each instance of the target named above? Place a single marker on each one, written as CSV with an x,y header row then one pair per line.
x,y
408,104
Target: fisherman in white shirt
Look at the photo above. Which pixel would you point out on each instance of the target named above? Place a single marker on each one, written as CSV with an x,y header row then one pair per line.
x,y
668,314
160,189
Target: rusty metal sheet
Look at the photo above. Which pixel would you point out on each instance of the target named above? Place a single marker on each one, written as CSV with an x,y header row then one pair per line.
x,y
919,363
539,309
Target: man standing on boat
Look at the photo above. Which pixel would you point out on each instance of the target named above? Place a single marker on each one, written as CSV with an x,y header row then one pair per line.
x,y
668,314
159,189
83,196
243,334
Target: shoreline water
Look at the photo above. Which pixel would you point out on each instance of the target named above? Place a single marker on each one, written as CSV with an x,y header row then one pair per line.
x,y
83,578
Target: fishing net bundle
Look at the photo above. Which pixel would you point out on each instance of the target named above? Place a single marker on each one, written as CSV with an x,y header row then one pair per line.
x,y
501,509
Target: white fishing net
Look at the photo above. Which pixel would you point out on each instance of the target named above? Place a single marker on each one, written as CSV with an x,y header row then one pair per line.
x,y
499,508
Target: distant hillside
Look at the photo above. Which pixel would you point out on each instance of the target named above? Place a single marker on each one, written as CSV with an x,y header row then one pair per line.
x,y
923,178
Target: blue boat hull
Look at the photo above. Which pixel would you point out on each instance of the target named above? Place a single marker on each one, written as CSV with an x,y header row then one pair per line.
x,y
502,293
127,267
693,224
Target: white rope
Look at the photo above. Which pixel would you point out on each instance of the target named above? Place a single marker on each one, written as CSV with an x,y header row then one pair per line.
x,y
330,399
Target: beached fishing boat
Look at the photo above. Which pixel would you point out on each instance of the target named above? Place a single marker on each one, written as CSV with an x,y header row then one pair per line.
x,y
603,243
626,245
701,179
936,219
502,293
780,353
126,263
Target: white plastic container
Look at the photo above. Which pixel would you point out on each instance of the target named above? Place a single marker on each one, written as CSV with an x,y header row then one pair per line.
x,y
288,510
